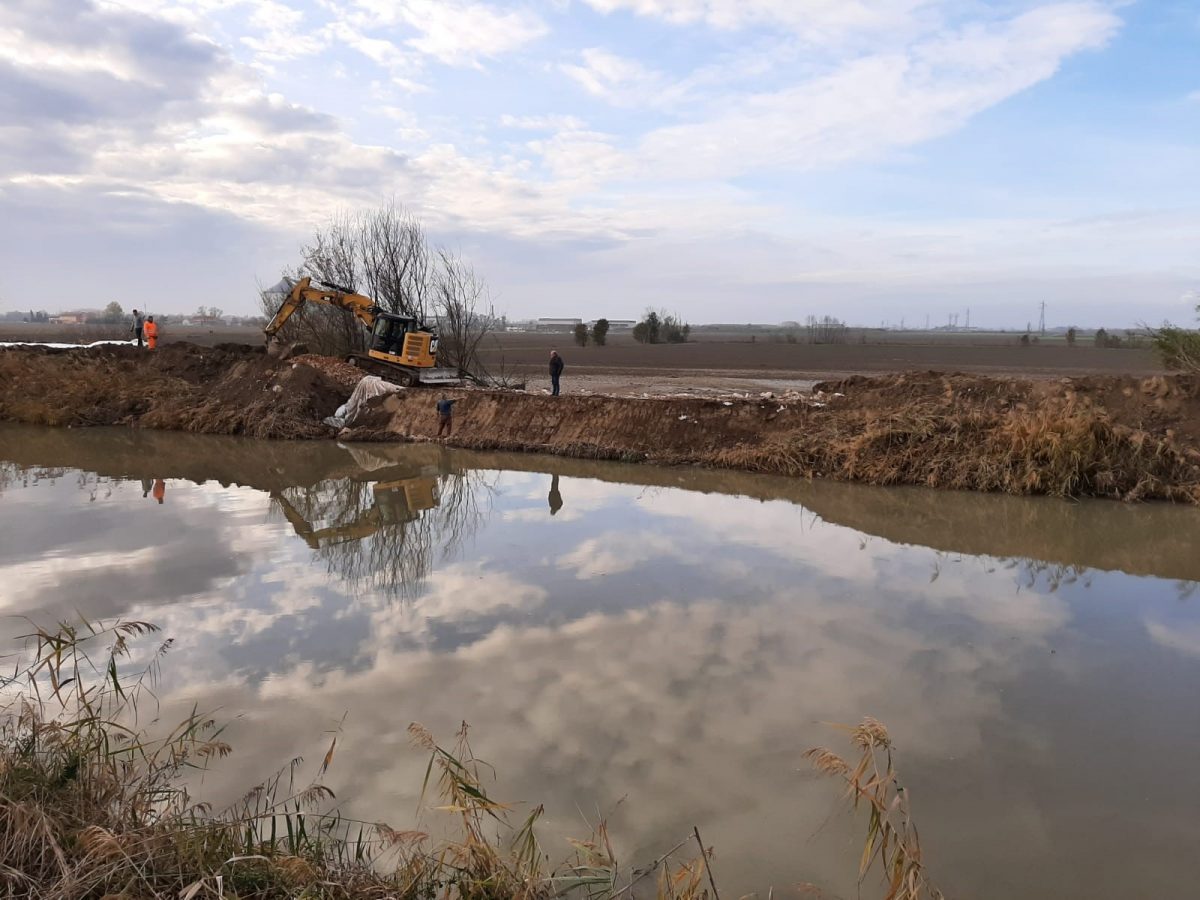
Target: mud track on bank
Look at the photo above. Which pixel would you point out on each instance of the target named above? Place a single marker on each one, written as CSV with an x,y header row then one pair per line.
x,y
1121,437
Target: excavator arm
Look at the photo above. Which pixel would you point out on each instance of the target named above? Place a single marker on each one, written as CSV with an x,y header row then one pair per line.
x,y
302,292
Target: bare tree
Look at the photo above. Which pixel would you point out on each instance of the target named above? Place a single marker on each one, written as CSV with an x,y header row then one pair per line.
x,y
384,254
397,265
825,330
459,298
333,257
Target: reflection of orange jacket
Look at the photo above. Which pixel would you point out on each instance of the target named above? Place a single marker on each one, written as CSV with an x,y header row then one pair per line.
x,y
150,330
160,486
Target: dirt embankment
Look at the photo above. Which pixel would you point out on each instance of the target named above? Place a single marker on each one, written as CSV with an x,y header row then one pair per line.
x,y
1099,436
230,389
1104,436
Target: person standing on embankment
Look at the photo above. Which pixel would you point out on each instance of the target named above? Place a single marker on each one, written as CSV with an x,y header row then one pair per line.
x,y
445,411
556,367
150,329
139,322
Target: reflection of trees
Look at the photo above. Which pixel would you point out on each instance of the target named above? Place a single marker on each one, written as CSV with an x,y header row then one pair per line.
x,y
372,546
17,475
1047,577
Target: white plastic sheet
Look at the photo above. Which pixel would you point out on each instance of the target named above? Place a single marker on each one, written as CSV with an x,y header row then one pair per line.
x,y
370,386
55,346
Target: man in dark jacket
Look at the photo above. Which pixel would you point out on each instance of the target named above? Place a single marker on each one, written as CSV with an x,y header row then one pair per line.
x,y
445,411
556,367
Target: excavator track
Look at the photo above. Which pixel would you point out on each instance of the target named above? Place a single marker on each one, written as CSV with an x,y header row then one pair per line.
x,y
404,376
401,375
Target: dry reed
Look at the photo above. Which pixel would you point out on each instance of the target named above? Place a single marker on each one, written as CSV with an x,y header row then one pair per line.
x,y
892,842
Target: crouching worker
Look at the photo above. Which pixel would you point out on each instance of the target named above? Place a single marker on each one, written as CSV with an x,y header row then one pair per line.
x,y
445,411
150,330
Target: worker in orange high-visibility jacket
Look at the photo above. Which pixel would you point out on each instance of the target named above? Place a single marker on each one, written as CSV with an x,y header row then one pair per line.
x,y
150,330
160,490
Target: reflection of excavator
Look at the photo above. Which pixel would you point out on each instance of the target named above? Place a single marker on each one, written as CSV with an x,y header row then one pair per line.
x,y
396,502
402,349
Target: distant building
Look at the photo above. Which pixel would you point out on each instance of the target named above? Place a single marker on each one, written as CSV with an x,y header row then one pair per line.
x,y
69,319
558,324
618,324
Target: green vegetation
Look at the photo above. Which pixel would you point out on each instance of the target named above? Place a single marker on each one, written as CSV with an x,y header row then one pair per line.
x,y
600,332
93,804
581,335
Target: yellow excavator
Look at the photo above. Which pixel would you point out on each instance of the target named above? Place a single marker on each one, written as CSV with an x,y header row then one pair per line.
x,y
401,349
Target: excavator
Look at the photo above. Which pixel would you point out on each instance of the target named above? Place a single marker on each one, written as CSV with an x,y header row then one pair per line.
x,y
401,349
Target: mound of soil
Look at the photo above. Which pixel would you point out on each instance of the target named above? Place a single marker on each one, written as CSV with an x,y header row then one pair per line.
x,y
229,389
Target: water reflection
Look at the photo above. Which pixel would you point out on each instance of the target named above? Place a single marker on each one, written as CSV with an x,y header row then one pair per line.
x,y
386,534
671,636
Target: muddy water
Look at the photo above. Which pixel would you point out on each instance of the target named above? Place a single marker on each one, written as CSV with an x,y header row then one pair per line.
x,y
673,638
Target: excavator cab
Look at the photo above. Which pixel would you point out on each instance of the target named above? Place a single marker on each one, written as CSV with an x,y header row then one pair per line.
x,y
388,334
402,341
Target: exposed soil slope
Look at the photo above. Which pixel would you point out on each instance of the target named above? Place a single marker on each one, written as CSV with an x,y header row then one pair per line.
x,y
1104,436
231,389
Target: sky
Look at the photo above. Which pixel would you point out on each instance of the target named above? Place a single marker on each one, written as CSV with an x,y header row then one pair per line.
x,y
729,160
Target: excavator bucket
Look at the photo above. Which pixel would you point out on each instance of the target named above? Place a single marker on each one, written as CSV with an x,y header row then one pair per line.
x,y
439,376
278,349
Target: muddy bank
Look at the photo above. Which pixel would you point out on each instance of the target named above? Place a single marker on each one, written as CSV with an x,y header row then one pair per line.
x,y
1120,437
1111,437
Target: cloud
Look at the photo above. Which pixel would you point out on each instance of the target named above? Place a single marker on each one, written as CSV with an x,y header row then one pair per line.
x,y
1181,637
455,32
815,19
869,105
543,123
617,79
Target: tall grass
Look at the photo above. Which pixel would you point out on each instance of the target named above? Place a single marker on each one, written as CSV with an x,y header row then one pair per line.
x,y
94,803
1062,447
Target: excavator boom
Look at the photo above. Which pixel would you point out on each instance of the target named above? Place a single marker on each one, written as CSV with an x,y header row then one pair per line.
x,y
303,292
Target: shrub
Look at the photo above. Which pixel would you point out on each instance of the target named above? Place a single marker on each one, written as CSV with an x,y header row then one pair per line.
x,y
600,332
1178,348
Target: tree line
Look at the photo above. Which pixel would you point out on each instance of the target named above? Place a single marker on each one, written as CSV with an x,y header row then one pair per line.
x,y
654,328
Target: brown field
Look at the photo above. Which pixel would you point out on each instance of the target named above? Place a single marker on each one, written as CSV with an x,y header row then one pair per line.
x,y
770,357
716,361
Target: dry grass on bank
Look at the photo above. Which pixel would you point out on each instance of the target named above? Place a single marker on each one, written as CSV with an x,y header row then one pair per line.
x,y
1060,448
93,806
